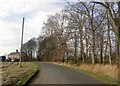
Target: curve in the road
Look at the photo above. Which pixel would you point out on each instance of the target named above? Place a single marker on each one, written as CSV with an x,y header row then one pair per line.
x,y
55,74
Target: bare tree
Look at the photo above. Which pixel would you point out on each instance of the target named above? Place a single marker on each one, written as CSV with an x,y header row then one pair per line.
x,y
115,19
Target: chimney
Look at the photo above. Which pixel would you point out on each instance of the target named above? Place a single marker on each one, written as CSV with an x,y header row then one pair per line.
x,y
17,50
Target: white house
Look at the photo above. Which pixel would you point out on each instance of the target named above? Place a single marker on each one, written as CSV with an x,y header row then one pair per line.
x,y
14,55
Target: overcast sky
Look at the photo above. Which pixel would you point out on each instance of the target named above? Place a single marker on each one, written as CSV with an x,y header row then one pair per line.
x,y
11,13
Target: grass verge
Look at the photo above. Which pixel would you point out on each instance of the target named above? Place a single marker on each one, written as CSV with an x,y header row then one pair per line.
x,y
16,76
103,78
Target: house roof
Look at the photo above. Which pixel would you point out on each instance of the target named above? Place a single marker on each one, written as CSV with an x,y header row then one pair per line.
x,y
14,53
2,56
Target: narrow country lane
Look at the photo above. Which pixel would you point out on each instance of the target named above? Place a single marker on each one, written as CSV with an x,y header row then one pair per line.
x,y
54,74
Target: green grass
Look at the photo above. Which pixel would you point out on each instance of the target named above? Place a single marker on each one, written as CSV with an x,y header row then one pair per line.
x,y
26,76
103,78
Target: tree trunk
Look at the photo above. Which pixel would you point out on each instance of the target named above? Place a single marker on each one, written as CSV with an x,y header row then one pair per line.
x,y
106,48
81,47
86,47
75,46
93,49
110,48
101,51
83,58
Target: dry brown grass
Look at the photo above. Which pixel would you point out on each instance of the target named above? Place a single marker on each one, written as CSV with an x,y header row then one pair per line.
x,y
109,70
14,75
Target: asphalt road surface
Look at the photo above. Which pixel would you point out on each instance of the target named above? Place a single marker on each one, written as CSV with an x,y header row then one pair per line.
x,y
55,74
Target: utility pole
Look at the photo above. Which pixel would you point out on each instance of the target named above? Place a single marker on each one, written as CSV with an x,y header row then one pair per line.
x,y
20,59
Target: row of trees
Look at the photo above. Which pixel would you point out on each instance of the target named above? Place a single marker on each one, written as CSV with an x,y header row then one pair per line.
x,y
29,49
86,32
